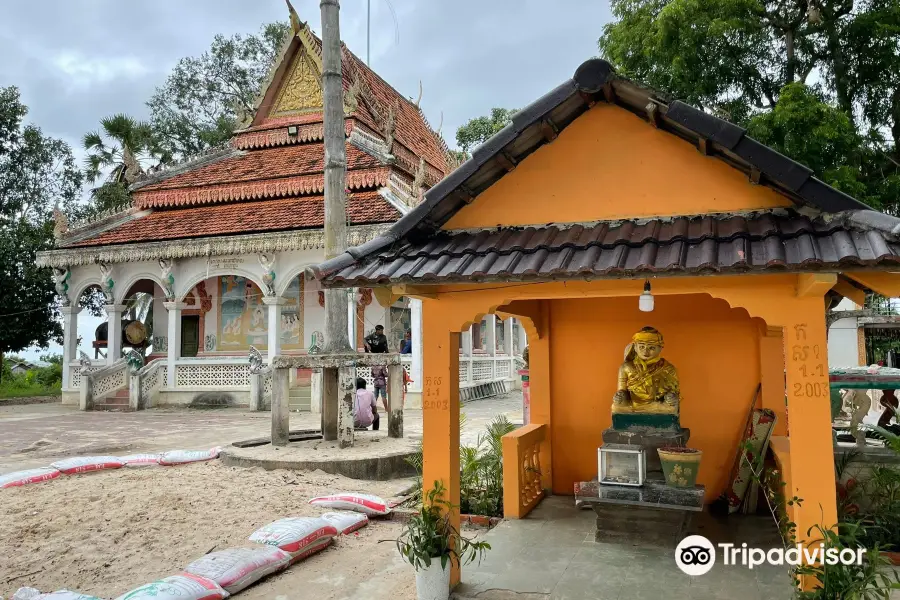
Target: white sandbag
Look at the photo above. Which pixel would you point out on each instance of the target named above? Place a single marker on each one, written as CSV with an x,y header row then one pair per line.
x,y
183,586
237,568
86,464
140,460
346,521
64,595
26,593
312,549
364,503
296,535
182,457
28,476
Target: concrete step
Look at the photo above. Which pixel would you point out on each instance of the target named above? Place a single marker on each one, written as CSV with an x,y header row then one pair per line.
x,y
105,404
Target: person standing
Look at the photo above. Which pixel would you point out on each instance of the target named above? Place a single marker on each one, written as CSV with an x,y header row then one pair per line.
x,y
379,379
365,408
406,343
376,342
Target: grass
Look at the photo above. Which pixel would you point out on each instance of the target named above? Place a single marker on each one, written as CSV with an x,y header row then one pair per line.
x,y
18,389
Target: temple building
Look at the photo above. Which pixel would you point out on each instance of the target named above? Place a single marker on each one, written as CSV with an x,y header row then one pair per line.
x,y
221,242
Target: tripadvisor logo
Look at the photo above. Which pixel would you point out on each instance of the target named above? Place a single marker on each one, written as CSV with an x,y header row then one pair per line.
x,y
696,555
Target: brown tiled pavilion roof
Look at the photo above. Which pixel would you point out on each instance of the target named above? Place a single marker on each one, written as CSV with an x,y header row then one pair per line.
x,y
842,233
272,179
283,214
729,244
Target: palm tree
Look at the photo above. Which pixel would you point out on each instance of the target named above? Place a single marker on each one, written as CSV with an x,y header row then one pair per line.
x,y
129,142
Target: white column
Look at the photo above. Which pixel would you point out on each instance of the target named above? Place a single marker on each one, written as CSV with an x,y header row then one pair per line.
x,y
173,344
508,337
351,317
274,326
70,341
523,338
114,332
467,342
415,323
491,337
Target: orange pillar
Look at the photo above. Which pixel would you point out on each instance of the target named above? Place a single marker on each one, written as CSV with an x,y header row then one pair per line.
x,y
811,446
539,380
771,368
440,407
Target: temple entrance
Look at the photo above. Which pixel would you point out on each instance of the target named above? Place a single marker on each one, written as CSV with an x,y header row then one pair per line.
x,y
190,335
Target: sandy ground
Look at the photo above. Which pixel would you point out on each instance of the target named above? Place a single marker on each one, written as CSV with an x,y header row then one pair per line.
x,y
109,532
366,444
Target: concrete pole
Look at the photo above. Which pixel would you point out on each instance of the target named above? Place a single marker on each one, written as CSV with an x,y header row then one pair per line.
x,y
395,401
274,326
330,393
336,338
70,341
114,332
173,344
346,395
281,417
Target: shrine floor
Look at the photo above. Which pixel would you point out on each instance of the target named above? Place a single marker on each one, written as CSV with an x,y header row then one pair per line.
x,y
552,555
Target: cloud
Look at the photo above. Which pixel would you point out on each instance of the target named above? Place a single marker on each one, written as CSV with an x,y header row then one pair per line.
x,y
85,71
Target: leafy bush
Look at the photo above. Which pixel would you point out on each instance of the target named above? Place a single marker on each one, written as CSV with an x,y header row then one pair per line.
x,y
481,470
429,535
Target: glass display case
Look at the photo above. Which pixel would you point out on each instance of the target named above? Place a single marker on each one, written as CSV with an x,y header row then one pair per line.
x,y
621,464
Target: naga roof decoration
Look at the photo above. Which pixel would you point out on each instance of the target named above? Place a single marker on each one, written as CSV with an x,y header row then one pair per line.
x,y
269,177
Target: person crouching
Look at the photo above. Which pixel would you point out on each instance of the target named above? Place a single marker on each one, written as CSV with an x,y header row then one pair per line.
x,y
365,409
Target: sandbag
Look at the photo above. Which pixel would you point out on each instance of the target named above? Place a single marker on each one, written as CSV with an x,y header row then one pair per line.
x,y
26,593
182,457
86,464
364,503
140,460
28,476
64,595
298,536
183,586
237,568
346,521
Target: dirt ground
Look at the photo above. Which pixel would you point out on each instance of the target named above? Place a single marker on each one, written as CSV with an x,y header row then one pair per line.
x,y
108,532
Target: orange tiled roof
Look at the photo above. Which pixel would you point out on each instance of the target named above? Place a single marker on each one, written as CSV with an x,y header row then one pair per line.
x,y
256,190
243,217
284,161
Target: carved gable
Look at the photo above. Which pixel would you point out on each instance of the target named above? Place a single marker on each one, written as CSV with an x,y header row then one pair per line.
x,y
302,89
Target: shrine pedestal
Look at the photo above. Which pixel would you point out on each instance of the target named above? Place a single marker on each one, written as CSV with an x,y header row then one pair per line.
x,y
654,513
649,438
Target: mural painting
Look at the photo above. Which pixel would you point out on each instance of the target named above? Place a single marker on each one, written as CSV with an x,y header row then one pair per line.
x,y
242,315
292,315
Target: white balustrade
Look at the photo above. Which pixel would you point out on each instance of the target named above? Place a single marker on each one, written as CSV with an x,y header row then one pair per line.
x,y
212,373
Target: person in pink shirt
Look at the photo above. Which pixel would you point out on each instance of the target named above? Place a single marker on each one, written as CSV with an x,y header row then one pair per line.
x,y
365,408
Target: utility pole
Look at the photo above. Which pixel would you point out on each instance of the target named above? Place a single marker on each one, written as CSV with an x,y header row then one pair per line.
x,y
336,339
338,383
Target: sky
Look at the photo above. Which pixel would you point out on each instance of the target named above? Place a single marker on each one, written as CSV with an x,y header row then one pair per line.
x,y
76,62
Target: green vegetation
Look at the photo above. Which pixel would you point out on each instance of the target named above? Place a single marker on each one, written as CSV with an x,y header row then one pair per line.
x,y
428,535
42,381
481,470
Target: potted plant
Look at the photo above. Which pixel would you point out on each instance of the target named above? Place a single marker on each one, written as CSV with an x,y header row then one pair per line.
x,y
431,544
680,465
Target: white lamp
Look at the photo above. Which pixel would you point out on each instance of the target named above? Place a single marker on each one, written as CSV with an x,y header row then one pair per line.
x,y
645,300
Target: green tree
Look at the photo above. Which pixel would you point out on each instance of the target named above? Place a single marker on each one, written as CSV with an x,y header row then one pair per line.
x,y
478,130
205,97
37,173
748,60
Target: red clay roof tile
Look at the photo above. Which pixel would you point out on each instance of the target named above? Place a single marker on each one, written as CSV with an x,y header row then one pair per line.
x,y
243,217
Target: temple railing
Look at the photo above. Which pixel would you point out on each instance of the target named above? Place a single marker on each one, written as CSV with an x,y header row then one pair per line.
x,y
146,384
102,383
522,470
212,373
76,371
477,369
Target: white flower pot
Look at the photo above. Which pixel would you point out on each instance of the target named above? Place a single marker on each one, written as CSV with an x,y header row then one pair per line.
x,y
433,583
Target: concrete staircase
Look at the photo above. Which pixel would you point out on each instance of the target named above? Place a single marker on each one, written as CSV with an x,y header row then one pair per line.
x,y
117,402
300,398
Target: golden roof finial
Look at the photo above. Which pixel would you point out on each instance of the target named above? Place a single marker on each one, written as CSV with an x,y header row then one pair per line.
x,y
296,24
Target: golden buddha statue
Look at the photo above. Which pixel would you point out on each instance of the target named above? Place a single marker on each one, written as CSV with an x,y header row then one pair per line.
x,y
647,382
